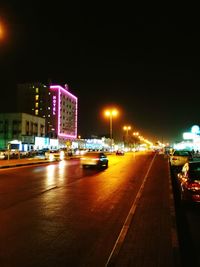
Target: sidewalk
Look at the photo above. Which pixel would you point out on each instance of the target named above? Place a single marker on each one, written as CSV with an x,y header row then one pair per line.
x,y
27,161
21,162
151,239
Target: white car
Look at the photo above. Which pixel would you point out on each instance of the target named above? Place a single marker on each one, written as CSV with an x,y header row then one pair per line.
x,y
3,154
95,159
179,158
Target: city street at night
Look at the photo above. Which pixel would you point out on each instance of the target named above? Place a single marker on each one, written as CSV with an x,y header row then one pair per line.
x,y
59,214
99,163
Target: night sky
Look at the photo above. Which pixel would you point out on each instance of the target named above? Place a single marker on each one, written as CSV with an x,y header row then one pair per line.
x,y
147,66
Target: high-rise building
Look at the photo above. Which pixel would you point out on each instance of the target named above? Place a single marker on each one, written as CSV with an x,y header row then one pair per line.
x,y
33,98
64,111
54,103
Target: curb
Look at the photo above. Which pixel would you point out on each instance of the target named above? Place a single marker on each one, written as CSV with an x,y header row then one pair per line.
x,y
22,164
30,163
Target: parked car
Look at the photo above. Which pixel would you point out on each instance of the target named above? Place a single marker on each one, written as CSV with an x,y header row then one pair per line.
x,y
2,154
179,158
54,155
10,154
189,182
96,159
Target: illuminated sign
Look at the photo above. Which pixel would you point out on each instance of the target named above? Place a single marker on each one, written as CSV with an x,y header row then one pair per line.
x,y
195,129
41,141
54,104
188,136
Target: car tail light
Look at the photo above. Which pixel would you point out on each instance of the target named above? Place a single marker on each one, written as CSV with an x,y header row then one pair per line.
x,y
196,198
193,186
95,158
174,158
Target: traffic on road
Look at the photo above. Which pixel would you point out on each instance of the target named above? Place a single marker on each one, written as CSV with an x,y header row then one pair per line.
x,y
61,209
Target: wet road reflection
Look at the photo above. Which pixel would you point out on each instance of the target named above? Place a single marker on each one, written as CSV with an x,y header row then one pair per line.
x,y
53,213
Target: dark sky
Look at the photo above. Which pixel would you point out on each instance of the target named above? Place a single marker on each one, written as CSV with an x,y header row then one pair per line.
x,y
146,65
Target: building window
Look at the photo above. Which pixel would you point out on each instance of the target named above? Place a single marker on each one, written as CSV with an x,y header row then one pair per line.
x,y
36,104
36,112
37,90
16,125
36,97
31,129
27,127
41,130
35,130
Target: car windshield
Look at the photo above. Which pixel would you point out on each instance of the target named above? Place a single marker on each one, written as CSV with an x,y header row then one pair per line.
x,y
194,171
182,153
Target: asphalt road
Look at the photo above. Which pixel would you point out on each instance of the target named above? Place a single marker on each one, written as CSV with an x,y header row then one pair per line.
x,y
62,215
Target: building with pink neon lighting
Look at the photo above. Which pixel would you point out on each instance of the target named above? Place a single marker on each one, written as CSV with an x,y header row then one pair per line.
x,y
55,103
64,112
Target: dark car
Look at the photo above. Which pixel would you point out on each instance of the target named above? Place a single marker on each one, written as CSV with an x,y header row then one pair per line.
x,y
96,159
189,182
120,152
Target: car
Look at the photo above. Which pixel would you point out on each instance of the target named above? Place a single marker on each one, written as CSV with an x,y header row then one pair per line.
x,y
179,158
3,154
188,181
54,155
95,159
120,152
9,154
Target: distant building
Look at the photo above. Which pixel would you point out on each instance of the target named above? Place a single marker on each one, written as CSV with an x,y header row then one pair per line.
x,y
22,127
54,103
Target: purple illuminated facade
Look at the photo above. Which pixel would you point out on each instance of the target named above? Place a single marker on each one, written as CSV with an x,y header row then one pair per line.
x,y
64,112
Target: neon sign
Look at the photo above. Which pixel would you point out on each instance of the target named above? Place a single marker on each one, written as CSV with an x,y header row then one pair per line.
x,y
54,104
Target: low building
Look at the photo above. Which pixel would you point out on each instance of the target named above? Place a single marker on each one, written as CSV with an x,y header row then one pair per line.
x,y
21,127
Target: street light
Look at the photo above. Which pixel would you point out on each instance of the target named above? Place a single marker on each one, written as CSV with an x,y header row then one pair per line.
x,y
127,128
126,139
136,134
1,31
111,113
136,137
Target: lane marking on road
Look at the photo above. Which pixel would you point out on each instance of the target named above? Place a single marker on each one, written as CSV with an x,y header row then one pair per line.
x,y
125,227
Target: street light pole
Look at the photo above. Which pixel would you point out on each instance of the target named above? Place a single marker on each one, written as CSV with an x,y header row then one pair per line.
x,y
111,127
111,113
127,128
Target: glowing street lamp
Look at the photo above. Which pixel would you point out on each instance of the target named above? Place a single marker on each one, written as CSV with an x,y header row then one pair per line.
x,y
126,138
2,31
136,134
127,128
111,113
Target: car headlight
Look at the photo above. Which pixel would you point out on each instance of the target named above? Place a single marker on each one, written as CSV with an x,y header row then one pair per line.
x,y
50,157
62,155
